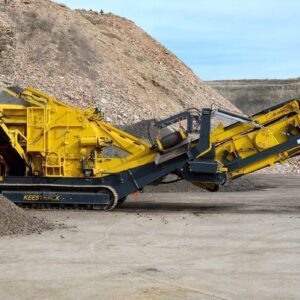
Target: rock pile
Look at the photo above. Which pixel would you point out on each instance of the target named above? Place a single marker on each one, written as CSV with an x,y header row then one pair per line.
x,y
14,220
6,47
88,58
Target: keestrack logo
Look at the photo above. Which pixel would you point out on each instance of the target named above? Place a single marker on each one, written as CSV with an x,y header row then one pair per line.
x,y
41,197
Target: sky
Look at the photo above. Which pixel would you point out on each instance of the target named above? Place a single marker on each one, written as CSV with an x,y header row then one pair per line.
x,y
219,39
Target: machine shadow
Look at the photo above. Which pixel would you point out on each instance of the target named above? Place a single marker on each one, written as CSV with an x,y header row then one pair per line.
x,y
204,208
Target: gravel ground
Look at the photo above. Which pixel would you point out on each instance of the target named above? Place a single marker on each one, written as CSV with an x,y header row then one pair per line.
x,y
225,245
252,182
14,220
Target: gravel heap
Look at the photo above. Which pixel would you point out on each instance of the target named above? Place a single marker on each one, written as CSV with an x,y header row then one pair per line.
x,y
14,220
89,58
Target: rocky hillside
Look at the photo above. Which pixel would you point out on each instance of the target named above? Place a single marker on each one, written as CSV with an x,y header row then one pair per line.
x,y
254,95
90,58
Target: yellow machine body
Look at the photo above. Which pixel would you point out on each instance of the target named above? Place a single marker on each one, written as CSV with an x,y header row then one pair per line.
x,y
55,139
50,151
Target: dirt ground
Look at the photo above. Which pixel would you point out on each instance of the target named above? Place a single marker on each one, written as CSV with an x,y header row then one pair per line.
x,y
226,245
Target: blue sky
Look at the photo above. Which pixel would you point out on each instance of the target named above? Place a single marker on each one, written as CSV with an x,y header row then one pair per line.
x,y
219,39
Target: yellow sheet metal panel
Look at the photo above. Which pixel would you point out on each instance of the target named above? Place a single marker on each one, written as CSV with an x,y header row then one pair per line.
x,y
56,139
76,136
36,129
265,139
